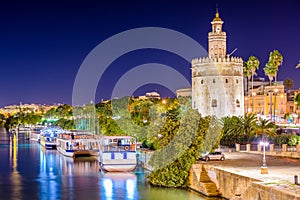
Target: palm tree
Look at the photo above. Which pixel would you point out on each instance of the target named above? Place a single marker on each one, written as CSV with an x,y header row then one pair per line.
x,y
265,128
288,83
253,65
247,75
275,58
247,125
271,69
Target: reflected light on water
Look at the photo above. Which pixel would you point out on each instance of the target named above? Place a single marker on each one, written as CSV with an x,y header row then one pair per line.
x,y
107,183
29,171
130,188
47,176
124,183
15,176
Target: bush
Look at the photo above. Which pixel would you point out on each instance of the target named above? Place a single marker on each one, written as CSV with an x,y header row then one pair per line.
x,y
294,140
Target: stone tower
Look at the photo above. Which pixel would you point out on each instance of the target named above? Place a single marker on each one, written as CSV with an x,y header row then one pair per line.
x,y
217,80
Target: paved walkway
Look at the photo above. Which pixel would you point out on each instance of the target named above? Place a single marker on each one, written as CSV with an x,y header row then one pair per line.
x,y
281,170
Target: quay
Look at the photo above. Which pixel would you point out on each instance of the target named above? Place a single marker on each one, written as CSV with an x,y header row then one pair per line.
x,y
239,177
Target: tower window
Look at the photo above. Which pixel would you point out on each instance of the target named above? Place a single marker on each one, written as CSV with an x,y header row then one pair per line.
x,y
214,81
238,103
214,103
226,80
202,81
237,81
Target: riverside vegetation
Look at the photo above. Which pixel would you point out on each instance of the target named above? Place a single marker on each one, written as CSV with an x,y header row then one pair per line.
x,y
166,126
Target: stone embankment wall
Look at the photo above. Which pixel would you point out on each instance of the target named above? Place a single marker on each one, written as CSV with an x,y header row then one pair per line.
x,y
144,157
212,181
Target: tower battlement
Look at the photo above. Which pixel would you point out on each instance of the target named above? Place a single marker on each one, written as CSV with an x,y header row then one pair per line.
x,y
204,60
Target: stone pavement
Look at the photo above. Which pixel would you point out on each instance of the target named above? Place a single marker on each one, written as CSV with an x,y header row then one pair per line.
x,y
281,170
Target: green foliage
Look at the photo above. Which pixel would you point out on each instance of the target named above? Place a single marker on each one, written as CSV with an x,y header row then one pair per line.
x,y
230,136
297,99
245,129
178,149
59,112
288,83
294,140
66,123
282,139
275,60
265,126
22,119
2,120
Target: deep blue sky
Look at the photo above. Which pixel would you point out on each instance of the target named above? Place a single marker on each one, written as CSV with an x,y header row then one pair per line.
x,y
43,43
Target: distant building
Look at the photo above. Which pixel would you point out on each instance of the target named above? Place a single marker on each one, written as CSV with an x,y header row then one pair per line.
x,y
150,95
217,80
185,92
267,101
26,108
257,82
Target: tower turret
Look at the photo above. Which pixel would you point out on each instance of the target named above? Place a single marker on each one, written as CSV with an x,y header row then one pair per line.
x,y
217,39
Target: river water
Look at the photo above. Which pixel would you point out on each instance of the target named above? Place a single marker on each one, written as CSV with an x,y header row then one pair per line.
x,y
28,171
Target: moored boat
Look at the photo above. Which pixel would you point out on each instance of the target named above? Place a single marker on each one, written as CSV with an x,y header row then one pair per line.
x,y
49,135
76,144
117,153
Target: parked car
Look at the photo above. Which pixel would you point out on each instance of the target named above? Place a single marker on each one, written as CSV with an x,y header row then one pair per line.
x,y
217,155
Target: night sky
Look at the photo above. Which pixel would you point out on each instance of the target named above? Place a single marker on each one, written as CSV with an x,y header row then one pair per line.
x,y
43,43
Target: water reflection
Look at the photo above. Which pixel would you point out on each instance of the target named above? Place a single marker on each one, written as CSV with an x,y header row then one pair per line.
x,y
28,171
124,183
15,177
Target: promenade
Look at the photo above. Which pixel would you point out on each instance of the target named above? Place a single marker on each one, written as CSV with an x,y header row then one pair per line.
x,y
281,169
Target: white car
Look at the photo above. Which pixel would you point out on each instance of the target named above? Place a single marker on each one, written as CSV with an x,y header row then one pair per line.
x,y
217,155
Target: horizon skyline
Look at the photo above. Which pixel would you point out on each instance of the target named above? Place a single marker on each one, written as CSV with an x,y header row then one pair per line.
x,y
43,46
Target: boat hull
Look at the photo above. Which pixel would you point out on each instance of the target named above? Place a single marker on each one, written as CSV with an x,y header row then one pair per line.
x,y
48,145
117,167
66,152
118,161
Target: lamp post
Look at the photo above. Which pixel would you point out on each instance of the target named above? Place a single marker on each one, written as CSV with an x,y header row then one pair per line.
x,y
264,143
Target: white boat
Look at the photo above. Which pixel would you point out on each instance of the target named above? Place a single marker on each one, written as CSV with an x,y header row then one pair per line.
x,y
75,144
49,135
117,153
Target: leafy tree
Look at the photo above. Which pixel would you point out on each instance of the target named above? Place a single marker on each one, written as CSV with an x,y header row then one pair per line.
x,y
230,135
294,140
51,113
63,111
66,123
2,120
176,172
282,139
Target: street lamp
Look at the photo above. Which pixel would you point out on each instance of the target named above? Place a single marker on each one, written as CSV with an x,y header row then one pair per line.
x,y
264,143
